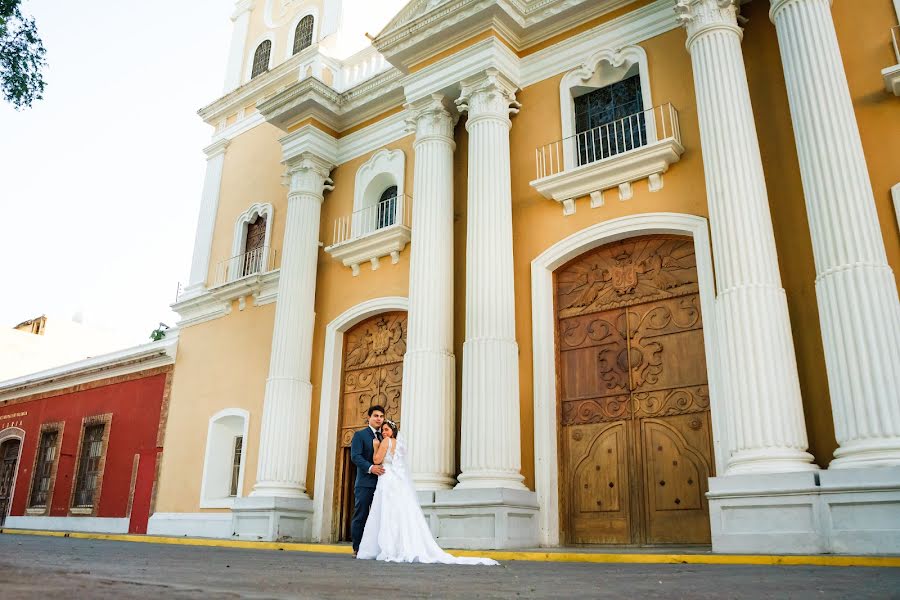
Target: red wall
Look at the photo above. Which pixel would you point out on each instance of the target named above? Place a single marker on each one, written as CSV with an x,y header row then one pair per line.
x,y
135,406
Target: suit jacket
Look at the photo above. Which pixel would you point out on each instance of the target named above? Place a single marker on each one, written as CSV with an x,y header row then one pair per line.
x,y
361,453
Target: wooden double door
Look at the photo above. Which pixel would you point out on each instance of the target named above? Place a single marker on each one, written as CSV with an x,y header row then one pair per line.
x,y
372,375
635,437
9,460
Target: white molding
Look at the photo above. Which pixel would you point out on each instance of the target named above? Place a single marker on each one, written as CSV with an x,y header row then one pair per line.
x,y
79,524
387,241
224,502
891,76
895,194
309,140
385,168
114,364
617,171
376,135
292,30
13,433
204,525
591,74
250,215
329,405
216,302
544,343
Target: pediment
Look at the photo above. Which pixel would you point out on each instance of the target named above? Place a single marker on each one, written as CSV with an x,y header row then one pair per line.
x,y
412,11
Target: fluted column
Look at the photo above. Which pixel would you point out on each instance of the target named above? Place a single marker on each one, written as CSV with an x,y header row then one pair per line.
x,y
429,414
284,440
206,221
766,430
858,305
490,454
241,20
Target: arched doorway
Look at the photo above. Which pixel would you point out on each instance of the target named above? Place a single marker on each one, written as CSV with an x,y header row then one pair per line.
x,y
9,461
635,437
372,373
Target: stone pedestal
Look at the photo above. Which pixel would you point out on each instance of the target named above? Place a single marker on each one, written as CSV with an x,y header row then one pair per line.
x,y
272,518
482,519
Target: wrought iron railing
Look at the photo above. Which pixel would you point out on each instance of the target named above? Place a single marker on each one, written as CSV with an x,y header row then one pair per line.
x,y
366,221
607,140
257,261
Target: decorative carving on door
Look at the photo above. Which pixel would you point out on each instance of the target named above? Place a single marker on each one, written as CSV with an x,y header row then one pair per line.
x,y
635,435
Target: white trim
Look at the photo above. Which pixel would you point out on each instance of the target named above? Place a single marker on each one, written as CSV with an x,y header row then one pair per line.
x,y
204,525
13,433
292,31
80,524
248,67
386,166
376,135
329,405
224,502
114,364
895,194
216,303
240,229
546,467
602,68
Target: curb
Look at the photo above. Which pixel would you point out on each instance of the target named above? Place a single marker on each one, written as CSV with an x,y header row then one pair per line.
x,y
824,560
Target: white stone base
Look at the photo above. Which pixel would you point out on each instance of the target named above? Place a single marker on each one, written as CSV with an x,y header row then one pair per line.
x,y
79,524
482,519
205,525
852,511
272,518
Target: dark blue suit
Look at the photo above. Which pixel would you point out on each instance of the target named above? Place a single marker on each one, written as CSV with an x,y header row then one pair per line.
x,y
362,452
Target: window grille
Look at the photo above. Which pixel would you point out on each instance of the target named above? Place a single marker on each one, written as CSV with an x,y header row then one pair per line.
x,y
236,464
610,120
303,34
44,470
89,466
387,208
261,58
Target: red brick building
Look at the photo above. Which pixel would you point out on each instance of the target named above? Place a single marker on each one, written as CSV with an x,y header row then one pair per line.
x,y
80,444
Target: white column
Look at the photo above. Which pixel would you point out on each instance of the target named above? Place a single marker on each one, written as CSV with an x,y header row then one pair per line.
x,y
284,441
241,20
429,374
767,433
206,222
856,290
490,452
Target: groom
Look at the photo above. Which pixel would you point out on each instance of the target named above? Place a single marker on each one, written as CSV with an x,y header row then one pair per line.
x,y
361,453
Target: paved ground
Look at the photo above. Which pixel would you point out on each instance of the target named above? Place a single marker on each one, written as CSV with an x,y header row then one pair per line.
x,y
44,567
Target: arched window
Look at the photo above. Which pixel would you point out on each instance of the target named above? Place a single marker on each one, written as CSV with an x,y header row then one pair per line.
x,y
254,247
261,58
303,34
223,467
387,208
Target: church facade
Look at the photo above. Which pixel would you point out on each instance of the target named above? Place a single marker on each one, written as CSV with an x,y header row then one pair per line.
x,y
623,270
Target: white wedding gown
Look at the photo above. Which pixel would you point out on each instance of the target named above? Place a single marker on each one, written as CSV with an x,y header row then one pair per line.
x,y
396,530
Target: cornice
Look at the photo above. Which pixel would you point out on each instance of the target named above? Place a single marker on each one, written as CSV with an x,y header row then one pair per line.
x,y
411,36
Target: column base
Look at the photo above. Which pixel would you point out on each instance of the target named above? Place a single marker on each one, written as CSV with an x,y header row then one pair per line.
x,y
867,454
854,511
272,518
482,519
433,482
476,480
770,460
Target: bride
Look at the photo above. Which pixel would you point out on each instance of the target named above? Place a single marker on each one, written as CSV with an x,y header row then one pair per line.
x,y
396,530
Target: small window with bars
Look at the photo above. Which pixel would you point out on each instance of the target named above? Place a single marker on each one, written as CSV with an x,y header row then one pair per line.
x,y
89,466
303,34
387,208
261,58
43,472
236,464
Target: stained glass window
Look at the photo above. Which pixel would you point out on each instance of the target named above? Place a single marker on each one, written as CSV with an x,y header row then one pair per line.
x,y
261,58
610,120
303,34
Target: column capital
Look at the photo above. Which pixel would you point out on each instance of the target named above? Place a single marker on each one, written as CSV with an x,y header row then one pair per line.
x,y
703,16
308,174
490,94
216,148
431,118
778,5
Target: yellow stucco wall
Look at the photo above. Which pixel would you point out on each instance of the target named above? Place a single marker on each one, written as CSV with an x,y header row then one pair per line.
x,y
213,370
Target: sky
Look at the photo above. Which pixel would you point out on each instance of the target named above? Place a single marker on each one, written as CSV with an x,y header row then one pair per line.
x,y
100,181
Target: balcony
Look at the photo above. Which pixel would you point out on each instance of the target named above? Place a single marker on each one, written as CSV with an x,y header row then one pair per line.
x,y
372,233
255,262
610,156
891,75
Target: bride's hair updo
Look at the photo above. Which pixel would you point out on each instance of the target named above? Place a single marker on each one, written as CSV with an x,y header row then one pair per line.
x,y
393,425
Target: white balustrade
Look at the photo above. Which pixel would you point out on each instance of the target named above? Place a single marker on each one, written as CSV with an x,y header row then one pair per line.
x,y
257,261
387,213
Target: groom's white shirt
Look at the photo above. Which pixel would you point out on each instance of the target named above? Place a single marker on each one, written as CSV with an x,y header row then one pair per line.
x,y
374,434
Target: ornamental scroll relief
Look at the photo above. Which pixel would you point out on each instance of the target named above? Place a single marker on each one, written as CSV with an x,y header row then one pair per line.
x,y
630,272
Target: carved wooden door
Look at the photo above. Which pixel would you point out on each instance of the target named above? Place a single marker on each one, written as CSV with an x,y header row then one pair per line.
x,y
635,437
9,458
372,374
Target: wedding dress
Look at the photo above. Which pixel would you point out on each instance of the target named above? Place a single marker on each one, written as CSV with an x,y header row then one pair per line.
x,y
396,530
